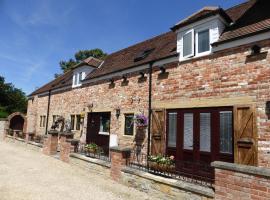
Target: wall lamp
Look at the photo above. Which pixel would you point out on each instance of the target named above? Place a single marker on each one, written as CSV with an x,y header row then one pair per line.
x,y
267,109
117,113
112,81
162,69
255,49
124,78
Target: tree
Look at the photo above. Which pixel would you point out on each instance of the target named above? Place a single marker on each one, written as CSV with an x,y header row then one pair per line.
x,y
11,99
80,56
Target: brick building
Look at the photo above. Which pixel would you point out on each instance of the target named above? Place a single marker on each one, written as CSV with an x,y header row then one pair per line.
x,y
206,84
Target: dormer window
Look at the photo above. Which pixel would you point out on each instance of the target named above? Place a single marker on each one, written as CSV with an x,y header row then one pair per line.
x,y
196,33
78,78
196,47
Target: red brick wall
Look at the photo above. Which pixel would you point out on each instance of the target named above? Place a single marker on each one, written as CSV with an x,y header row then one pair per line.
x,y
227,74
230,185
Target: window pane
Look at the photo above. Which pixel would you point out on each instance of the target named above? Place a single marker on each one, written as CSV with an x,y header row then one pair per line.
x,y
72,122
78,122
104,124
225,119
188,131
187,44
205,132
203,41
80,77
40,123
129,125
172,129
44,121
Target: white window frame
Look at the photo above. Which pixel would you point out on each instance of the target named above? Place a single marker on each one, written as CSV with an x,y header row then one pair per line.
x,y
76,79
192,44
197,43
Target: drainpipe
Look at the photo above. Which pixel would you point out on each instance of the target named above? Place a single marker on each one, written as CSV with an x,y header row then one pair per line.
x,y
149,108
48,112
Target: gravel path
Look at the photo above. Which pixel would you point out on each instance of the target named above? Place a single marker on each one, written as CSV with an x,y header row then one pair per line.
x,y
30,175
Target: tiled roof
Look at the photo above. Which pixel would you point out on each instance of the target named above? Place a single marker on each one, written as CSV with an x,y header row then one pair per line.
x,y
161,46
250,18
61,81
237,11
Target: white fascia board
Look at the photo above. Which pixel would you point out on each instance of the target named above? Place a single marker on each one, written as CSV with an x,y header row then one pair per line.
x,y
243,41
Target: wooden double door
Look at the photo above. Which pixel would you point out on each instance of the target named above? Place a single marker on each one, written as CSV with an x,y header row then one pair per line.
x,y
196,137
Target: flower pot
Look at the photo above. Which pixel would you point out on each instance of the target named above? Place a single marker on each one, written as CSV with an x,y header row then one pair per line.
x,y
171,168
153,165
93,151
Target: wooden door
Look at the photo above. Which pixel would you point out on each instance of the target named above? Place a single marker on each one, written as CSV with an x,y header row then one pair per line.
x,y
158,132
245,135
94,135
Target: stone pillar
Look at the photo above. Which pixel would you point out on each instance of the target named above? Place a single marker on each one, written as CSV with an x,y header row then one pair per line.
x,y
51,143
65,149
28,137
119,159
5,134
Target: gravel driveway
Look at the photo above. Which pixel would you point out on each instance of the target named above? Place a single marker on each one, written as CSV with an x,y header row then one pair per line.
x,y
30,175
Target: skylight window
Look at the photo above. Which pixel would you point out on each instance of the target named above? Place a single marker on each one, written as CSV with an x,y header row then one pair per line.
x,y
143,55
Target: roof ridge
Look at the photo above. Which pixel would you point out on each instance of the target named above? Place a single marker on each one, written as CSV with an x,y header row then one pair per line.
x,y
212,8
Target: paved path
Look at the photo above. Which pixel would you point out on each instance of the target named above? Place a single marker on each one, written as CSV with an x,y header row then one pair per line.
x,y
30,175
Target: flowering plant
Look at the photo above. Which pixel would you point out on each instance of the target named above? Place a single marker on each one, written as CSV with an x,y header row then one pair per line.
x,y
141,120
162,160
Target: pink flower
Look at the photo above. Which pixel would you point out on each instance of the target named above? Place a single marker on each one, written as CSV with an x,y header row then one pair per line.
x,y
172,157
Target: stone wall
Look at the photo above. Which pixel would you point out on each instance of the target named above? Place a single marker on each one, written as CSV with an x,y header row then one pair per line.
x,y
234,181
226,78
164,188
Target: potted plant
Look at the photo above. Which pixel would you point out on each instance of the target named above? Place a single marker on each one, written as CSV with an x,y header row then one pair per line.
x,y
141,121
91,148
161,163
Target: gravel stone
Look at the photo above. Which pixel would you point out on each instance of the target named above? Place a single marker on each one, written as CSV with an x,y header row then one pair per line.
x,y
30,175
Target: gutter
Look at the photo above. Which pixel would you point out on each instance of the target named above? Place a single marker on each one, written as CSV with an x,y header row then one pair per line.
x,y
149,109
48,112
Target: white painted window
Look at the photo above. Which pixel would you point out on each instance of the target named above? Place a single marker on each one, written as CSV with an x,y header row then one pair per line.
x,y
203,41
188,44
78,78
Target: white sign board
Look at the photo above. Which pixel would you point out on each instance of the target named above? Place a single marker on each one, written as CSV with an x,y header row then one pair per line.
x,y
113,140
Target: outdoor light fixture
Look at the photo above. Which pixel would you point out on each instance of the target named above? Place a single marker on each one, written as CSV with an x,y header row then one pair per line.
x,y
142,75
255,49
162,69
117,113
124,79
267,109
90,106
112,81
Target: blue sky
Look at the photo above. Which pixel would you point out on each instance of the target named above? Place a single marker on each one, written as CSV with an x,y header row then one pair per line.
x,y
36,34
